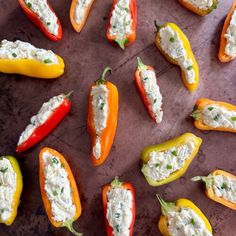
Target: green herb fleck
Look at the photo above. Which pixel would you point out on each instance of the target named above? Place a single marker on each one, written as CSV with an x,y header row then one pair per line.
x,y
55,161
217,117
172,39
174,153
233,118
224,186
210,108
127,9
102,106
189,67
117,215
146,78
48,23
155,100
46,61
3,170
55,193
192,221
168,167
157,165
62,190
14,54
62,165
29,5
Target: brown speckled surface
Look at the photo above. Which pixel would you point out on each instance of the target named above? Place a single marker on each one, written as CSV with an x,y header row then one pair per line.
x,y
85,56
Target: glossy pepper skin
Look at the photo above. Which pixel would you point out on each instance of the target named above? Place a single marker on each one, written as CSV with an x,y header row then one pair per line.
x,y
181,140
209,187
200,104
130,38
140,87
106,188
17,194
38,22
222,56
108,134
32,68
175,206
198,11
191,87
43,130
75,193
78,27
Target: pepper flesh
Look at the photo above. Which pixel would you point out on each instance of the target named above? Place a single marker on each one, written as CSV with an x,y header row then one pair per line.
x,y
105,190
75,193
44,129
209,189
183,139
128,38
200,104
78,27
108,134
38,22
17,194
191,87
140,87
175,206
222,56
32,68
198,11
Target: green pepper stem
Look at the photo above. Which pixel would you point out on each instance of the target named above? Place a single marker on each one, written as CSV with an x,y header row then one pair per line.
x,y
165,206
158,27
68,95
141,66
121,42
196,114
69,226
208,180
102,79
116,182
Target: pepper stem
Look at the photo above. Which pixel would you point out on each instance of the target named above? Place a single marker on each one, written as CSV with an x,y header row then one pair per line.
x,y
116,182
208,180
102,80
165,206
122,42
196,113
68,95
141,66
69,226
158,27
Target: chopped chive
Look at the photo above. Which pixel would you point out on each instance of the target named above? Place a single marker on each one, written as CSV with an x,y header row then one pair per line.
x,y
14,54
157,165
46,61
55,161
0,184
62,190
3,170
155,100
48,23
224,186
29,5
193,221
189,67
55,193
210,108
172,39
102,105
233,118
146,78
174,153
217,117
168,167
127,9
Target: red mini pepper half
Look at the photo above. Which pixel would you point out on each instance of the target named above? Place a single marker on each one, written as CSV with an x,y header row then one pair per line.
x,y
44,129
38,22
117,184
129,38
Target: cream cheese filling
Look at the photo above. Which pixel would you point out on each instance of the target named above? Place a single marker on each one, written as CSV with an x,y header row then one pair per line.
x,y
80,10
201,4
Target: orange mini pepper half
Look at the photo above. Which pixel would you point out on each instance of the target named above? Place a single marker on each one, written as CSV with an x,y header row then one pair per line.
x,y
203,103
78,26
107,134
130,37
208,180
74,193
222,56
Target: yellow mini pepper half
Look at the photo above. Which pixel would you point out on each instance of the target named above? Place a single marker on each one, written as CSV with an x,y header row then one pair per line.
x,y
32,68
208,180
173,143
17,194
193,86
167,207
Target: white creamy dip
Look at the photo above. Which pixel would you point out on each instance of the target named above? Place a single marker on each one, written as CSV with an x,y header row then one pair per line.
x,y
7,188
173,46
186,222
225,187
23,50
44,113
230,48
201,4
121,20
162,164
100,114
217,116
45,14
80,10
152,90
57,188
119,210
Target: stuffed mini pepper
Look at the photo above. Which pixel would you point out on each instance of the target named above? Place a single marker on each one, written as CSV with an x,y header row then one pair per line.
x,y
214,115
168,161
182,218
102,118
23,58
145,80
119,208
220,187
49,116
174,45
11,185
43,16
79,12
58,189
122,22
